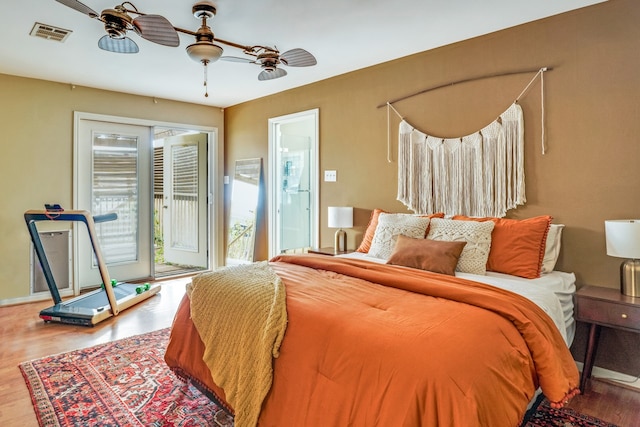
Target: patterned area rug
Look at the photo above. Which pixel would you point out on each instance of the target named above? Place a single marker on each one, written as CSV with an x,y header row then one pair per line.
x,y
546,416
127,383
122,383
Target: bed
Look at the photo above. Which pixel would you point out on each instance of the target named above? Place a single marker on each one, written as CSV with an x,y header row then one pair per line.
x,y
370,341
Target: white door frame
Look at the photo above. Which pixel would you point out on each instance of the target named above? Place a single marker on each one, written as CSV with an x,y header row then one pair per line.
x,y
214,182
273,174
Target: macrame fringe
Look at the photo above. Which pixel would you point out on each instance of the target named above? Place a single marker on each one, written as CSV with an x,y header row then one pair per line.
x,y
478,175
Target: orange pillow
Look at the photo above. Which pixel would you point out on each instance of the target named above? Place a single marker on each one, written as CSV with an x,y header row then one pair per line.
x,y
517,246
365,245
431,255
371,230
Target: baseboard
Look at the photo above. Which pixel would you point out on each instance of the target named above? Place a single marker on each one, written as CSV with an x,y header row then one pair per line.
x,y
24,300
36,297
614,377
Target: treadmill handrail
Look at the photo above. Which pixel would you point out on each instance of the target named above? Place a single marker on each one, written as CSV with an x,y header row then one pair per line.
x,y
69,215
32,216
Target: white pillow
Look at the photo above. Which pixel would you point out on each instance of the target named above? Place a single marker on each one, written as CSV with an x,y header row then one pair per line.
x,y
552,248
388,229
473,258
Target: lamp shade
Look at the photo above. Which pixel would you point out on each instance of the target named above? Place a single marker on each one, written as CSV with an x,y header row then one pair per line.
x,y
340,217
623,238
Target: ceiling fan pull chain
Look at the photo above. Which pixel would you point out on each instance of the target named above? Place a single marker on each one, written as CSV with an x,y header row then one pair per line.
x,y
206,89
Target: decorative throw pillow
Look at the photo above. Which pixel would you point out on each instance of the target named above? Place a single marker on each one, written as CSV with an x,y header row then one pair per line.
x,y
552,248
517,246
371,230
373,223
392,225
425,254
473,258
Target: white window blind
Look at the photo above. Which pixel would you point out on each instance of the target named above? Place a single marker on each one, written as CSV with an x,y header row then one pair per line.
x,y
115,189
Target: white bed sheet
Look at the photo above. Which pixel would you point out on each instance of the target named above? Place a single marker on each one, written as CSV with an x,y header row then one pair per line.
x,y
553,292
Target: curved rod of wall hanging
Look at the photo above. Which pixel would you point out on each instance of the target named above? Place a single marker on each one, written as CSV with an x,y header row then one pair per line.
x,y
463,81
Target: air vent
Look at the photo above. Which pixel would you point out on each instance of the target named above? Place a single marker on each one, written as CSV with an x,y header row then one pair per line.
x,y
50,32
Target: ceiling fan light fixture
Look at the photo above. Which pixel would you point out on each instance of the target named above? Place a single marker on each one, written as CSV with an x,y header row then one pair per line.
x,y
204,51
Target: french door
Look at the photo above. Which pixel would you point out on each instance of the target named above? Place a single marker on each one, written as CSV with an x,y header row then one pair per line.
x,y
185,200
113,174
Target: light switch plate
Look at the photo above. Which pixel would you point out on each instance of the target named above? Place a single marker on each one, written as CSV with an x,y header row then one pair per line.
x,y
330,176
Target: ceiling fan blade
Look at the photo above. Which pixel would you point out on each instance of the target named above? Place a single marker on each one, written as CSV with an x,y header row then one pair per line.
x,y
270,75
237,59
157,29
123,45
298,58
82,8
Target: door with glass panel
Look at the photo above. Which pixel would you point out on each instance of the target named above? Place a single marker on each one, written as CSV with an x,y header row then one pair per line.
x,y
293,193
185,200
113,174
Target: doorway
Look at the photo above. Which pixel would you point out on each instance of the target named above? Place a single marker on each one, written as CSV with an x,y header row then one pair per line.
x,y
293,190
180,201
172,198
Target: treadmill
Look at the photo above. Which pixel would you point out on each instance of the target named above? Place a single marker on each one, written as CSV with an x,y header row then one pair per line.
x,y
92,307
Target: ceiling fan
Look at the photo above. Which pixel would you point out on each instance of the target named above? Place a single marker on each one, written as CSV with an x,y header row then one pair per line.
x,y
205,50
118,22
155,28
269,58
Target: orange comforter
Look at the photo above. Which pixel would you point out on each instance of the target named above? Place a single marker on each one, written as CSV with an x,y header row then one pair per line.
x,y
379,345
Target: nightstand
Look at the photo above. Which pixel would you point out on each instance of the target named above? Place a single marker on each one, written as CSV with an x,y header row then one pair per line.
x,y
604,307
327,251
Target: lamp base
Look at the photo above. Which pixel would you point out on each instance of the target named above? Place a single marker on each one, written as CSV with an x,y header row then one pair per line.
x,y
340,241
630,278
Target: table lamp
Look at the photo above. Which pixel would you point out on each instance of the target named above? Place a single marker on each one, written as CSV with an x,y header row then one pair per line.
x,y
340,217
623,241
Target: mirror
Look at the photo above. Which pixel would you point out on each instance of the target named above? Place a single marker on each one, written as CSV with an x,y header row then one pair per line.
x,y
245,192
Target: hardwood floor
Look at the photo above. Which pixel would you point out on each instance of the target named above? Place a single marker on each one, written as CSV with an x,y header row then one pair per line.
x,y
24,336
613,403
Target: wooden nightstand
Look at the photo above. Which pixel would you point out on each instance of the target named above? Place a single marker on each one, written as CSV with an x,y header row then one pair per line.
x,y
604,307
327,251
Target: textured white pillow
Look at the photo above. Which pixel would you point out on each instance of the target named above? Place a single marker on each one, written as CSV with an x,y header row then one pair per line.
x,y
552,248
473,258
388,229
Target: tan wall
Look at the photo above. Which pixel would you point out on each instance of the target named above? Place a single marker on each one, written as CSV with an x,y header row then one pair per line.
x,y
592,94
36,118
592,104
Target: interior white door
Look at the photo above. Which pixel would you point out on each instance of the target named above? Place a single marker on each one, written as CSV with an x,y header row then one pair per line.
x,y
113,174
185,200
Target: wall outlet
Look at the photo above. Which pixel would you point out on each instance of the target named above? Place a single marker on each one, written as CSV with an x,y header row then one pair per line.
x,y
330,176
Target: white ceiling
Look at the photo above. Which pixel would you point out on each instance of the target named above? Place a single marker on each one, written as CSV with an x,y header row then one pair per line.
x,y
344,35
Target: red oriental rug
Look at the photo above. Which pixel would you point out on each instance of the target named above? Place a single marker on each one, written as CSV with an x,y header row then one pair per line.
x,y
121,383
127,383
546,416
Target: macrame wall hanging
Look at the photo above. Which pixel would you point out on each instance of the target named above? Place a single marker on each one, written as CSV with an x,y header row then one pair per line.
x,y
481,174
